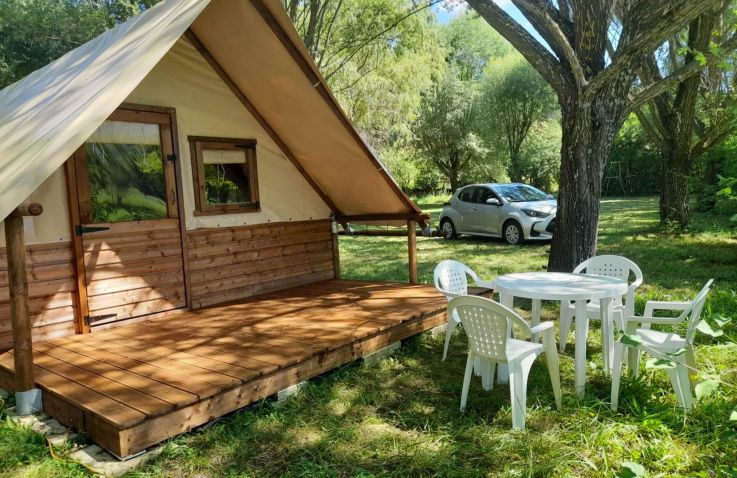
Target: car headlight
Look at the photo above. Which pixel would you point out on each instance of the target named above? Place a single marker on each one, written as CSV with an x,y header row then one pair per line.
x,y
533,213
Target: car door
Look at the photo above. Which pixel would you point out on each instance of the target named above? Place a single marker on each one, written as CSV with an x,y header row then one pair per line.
x,y
487,217
465,204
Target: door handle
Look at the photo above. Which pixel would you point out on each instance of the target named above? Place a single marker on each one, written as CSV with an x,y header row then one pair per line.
x,y
475,208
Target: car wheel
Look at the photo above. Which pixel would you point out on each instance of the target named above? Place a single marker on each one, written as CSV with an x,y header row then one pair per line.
x,y
512,233
448,228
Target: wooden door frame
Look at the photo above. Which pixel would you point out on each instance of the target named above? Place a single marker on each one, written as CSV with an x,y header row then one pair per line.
x,y
80,327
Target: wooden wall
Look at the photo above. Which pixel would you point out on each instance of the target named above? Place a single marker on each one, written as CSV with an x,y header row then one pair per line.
x,y
231,263
51,288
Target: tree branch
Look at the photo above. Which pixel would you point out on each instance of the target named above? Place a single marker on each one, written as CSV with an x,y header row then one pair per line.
x,y
712,138
538,14
691,68
649,128
537,55
644,28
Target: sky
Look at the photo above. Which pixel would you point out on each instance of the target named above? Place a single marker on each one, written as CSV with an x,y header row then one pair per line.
x,y
446,14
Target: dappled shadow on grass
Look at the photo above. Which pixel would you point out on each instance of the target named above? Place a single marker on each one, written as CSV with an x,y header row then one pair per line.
x,y
400,418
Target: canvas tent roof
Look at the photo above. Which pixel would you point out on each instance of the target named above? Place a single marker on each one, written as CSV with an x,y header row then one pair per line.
x,y
46,116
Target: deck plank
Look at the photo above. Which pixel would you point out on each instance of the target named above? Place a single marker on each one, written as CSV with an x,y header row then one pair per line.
x,y
138,383
153,388
186,383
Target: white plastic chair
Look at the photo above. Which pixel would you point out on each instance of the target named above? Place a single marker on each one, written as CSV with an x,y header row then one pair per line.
x,y
660,344
451,280
611,266
487,325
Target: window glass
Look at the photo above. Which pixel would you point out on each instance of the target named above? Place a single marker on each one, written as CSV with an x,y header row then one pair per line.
x,y
484,194
226,177
520,193
468,194
126,172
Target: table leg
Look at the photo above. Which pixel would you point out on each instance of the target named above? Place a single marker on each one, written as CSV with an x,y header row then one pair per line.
x,y
536,306
607,334
582,332
503,370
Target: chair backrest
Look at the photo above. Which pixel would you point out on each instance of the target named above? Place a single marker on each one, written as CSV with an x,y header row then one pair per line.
x,y
486,324
617,267
451,279
693,311
611,266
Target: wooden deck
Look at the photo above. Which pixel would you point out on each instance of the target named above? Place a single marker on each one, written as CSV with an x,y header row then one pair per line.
x,y
136,385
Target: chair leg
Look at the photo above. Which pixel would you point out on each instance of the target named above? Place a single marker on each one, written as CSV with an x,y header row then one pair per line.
x,y
477,367
519,371
565,324
467,380
449,328
633,362
485,370
553,364
691,362
676,382
536,306
685,383
616,373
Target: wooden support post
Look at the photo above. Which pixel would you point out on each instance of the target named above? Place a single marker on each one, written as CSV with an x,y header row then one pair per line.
x,y
336,250
27,400
412,251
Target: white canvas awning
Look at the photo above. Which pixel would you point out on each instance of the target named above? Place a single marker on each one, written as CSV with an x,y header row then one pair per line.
x,y
46,116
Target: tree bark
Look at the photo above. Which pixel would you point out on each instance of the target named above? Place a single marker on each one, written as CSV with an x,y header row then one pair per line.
x,y
588,132
453,178
674,195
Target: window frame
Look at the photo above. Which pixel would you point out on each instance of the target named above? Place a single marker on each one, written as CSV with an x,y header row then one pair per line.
x,y
196,145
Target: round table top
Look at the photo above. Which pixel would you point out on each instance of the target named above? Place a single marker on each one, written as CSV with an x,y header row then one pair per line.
x,y
559,286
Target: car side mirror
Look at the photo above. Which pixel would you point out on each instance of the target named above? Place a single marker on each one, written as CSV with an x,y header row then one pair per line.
x,y
493,202
550,196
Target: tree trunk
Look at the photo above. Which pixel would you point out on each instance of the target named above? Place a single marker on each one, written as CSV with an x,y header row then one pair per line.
x,y
453,178
674,187
588,133
515,173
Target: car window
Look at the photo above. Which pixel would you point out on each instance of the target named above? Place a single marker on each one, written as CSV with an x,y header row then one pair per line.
x,y
468,194
520,193
484,194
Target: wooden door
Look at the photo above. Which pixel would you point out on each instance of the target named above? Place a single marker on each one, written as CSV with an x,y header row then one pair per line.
x,y
127,230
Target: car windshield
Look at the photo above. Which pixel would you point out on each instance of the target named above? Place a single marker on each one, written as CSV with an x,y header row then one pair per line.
x,y
520,193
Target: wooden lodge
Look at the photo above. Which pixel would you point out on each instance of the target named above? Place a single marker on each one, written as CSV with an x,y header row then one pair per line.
x,y
172,192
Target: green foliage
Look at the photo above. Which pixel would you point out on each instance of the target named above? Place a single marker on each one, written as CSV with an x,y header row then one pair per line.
x,y
515,102
445,130
36,32
633,168
471,46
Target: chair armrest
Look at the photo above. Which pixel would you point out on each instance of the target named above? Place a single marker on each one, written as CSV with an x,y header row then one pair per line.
x,y
653,305
652,320
486,284
542,327
450,295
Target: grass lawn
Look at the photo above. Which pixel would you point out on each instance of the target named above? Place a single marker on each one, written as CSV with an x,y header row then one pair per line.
x,y
400,417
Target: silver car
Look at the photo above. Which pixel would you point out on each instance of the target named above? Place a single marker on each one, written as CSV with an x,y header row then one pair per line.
x,y
513,211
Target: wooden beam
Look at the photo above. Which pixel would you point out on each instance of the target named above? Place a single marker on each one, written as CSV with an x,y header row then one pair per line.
x,y
381,217
80,326
200,47
20,319
336,251
412,251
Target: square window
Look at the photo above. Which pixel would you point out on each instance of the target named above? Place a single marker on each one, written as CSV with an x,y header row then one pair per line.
x,y
225,175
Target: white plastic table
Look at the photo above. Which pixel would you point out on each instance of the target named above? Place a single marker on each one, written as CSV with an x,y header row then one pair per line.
x,y
565,287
